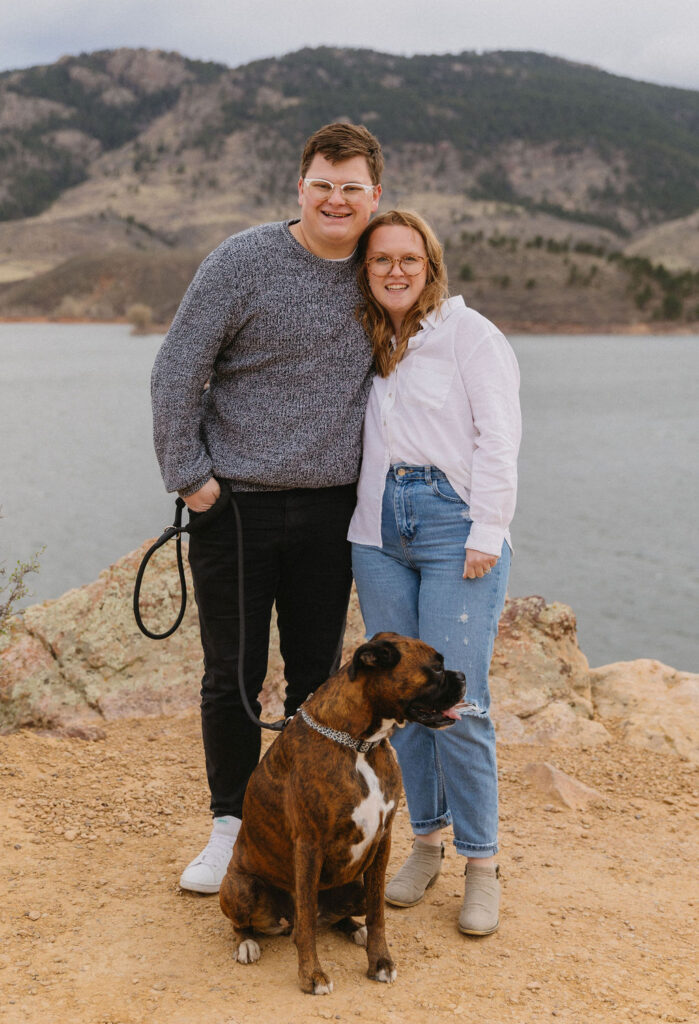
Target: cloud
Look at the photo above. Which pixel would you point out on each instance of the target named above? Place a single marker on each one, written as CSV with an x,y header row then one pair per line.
x,y
639,38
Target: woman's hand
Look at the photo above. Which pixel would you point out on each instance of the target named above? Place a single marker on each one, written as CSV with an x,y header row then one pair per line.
x,y
478,564
205,497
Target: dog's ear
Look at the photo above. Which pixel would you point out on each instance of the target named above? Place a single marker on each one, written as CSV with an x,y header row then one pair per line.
x,y
375,654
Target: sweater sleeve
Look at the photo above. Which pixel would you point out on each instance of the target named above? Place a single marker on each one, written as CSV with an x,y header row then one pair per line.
x,y
491,378
204,322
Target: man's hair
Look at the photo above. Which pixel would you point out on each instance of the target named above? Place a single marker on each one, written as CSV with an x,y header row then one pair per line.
x,y
340,141
372,315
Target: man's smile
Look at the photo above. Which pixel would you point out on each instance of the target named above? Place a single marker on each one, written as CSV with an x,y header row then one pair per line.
x,y
331,220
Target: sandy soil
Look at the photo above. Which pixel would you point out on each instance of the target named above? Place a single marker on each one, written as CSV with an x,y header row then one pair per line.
x,y
598,922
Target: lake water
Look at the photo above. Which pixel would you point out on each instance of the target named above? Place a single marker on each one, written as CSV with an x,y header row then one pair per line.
x,y
609,487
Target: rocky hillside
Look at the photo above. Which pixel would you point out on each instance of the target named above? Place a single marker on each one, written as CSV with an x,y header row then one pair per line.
x,y
143,150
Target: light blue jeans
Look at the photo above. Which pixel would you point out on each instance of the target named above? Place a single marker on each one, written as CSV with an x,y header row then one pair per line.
x,y
414,585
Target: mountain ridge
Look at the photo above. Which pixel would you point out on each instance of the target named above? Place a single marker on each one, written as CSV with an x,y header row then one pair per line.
x,y
145,149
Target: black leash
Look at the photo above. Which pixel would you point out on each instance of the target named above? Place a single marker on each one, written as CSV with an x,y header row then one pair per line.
x,y
203,520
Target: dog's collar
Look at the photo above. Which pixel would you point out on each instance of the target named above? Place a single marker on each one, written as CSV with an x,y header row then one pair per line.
x,y
344,738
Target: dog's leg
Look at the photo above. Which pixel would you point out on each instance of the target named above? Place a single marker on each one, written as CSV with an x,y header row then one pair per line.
x,y
339,904
238,898
352,929
308,861
251,906
247,950
381,965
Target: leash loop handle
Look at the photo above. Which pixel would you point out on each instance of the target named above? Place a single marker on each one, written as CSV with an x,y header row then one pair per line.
x,y
202,520
175,530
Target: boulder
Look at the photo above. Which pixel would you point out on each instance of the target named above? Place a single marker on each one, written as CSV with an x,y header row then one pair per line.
x,y
554,784
82,658
650,704
540,679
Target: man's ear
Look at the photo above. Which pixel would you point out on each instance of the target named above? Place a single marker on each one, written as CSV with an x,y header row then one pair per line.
x,y
375,654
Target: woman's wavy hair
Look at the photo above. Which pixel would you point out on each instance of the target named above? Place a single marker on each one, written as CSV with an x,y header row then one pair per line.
x,y
373,317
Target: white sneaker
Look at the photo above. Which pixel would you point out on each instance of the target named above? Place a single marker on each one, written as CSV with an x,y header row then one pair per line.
x,y
206,872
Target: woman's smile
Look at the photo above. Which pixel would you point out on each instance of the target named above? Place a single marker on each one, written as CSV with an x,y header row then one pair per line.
x,y
396,245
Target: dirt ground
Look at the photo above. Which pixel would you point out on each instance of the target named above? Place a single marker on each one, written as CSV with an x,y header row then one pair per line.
x,y
598,921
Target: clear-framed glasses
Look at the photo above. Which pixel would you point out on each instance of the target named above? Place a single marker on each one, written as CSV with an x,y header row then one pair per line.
x,y
382,266
351,191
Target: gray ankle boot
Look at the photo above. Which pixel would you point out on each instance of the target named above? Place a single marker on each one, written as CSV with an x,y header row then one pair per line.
x,y
420,871
480,910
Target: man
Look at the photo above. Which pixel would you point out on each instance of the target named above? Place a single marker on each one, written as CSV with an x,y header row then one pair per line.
x,y
262,381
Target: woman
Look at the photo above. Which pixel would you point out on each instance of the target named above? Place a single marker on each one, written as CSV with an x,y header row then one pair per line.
x,y
431,548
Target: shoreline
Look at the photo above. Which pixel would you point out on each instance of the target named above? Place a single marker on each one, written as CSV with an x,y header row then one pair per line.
x,y
506,326
154,328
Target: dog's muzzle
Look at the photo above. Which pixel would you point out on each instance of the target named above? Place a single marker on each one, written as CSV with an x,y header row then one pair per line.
x,y
435,705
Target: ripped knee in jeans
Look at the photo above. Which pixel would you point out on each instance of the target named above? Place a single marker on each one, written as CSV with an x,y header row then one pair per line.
x,y
470,709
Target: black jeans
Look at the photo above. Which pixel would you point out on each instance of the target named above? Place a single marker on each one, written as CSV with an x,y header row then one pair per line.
x,y
296,556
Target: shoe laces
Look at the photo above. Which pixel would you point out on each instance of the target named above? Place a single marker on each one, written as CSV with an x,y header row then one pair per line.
x,y
217,852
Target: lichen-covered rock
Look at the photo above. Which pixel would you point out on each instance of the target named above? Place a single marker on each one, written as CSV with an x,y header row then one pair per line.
x,y
82,657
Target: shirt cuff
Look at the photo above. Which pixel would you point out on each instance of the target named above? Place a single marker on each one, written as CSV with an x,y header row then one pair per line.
x,y
487,539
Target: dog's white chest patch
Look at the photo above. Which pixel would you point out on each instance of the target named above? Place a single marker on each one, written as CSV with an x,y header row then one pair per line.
x,y
369,816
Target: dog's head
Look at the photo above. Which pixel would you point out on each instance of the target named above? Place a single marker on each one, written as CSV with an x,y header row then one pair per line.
x,y
405,680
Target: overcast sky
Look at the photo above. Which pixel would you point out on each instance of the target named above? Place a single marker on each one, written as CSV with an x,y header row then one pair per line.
x,y
654,40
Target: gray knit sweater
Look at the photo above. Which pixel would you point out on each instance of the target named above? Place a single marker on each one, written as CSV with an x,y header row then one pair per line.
x,y
272,328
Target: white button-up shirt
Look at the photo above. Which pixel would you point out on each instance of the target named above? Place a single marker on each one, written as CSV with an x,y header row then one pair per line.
x,y
451,402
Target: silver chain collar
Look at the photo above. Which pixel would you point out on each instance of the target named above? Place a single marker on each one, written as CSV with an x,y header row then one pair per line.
x,y
343,738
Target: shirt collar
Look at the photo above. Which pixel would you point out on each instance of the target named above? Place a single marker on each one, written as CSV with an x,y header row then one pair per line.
x,y
438,315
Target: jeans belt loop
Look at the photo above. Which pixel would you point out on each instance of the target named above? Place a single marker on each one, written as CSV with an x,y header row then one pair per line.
x,y
428,475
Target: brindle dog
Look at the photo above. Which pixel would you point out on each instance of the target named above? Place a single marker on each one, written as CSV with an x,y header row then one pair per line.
x,y
317,815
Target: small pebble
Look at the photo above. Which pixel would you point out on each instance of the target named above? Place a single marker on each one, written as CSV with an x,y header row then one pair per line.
x,y
33,915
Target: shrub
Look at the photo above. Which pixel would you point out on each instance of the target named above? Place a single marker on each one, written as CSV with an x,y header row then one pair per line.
x,y
70,307
15,589
140,316
643,297
672,307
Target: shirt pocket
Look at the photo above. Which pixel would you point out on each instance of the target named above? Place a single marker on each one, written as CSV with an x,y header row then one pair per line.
x,y
429,381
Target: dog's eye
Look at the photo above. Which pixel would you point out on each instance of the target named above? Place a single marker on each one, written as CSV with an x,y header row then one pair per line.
x,y
435,675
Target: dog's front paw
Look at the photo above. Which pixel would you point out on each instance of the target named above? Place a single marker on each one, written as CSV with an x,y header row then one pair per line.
x,y
385,971
317,984
247,952
360,936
